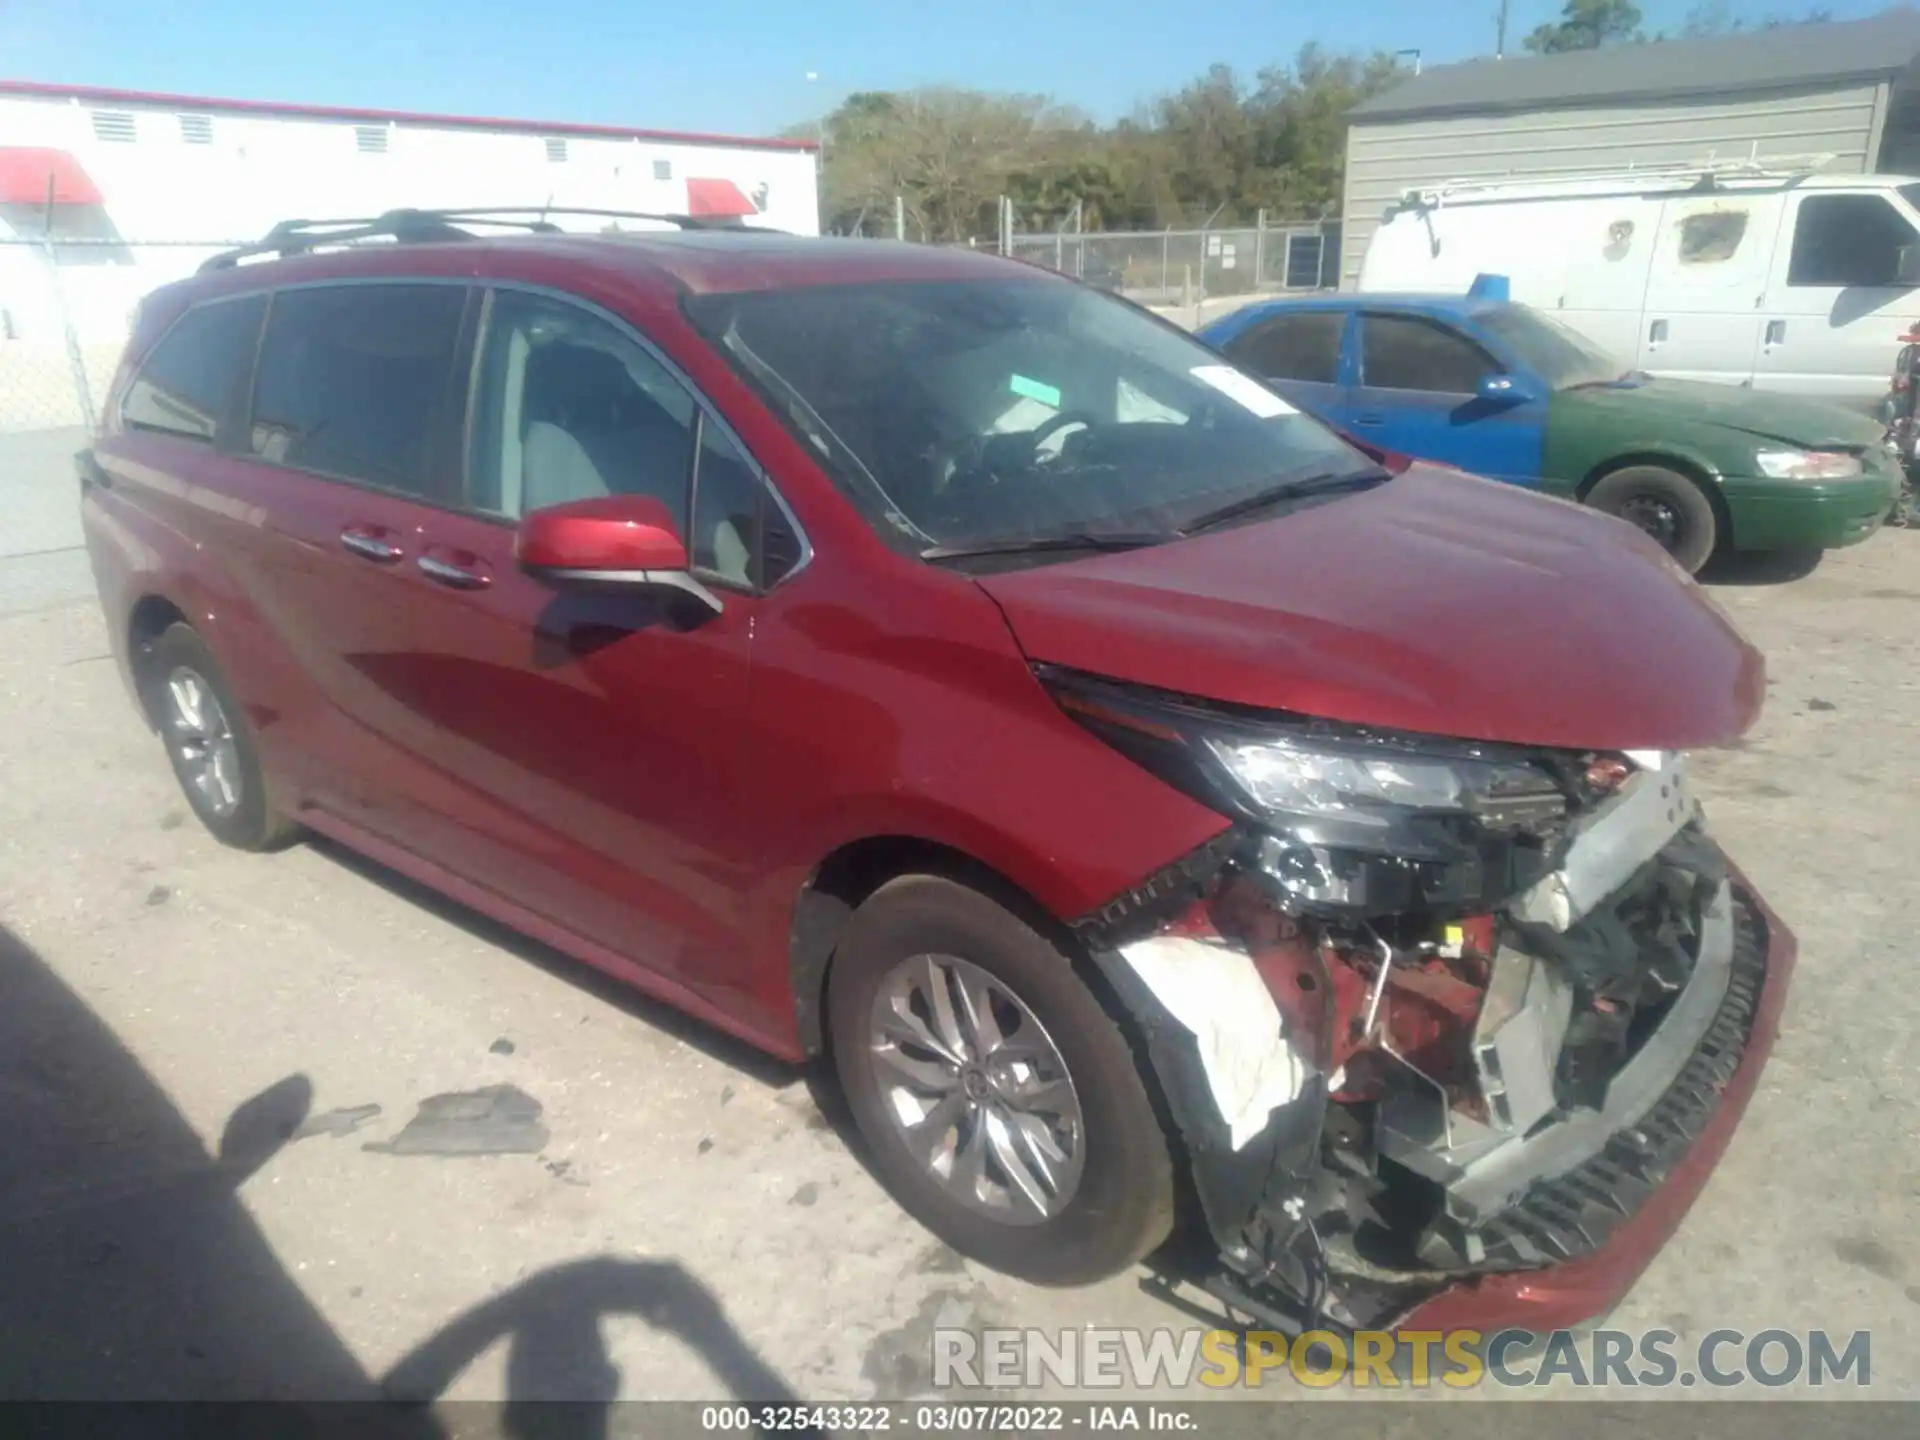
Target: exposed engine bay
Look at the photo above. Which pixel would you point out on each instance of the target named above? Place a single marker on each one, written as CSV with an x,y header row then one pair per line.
x,y
1499,990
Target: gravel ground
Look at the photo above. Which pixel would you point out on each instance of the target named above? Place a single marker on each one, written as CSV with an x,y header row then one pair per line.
x,y
693,1227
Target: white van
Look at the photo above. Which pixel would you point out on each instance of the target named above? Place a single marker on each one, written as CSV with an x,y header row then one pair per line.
x,y
1758,274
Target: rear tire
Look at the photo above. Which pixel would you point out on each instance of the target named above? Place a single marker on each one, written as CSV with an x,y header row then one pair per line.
x,y
1667,506
209,743
1103,1175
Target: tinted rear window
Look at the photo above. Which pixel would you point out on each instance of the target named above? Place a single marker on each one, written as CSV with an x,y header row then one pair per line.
x,y
1305,346
194,373
356,381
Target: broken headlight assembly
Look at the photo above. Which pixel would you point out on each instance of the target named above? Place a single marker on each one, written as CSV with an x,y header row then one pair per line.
x,y
1348,820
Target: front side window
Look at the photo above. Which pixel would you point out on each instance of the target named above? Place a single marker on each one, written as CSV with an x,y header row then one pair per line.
x,y
357,381
1560,355
964,412
194,373
1846,240
571,407
1407,352
1305,346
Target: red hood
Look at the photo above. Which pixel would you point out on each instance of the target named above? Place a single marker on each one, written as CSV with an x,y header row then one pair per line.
x,y
1438,603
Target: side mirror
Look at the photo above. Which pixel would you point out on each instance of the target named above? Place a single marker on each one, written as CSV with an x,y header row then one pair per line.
x,y
1504,390
1906,269
610,540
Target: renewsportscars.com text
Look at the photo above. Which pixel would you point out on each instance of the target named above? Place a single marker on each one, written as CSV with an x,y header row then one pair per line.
x,y
1459,1359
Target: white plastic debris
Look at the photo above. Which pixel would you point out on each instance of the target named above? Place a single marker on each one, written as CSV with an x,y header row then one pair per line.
x,y
1215,992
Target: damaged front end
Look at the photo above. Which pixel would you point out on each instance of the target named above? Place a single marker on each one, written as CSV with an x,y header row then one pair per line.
x,y
1430,1009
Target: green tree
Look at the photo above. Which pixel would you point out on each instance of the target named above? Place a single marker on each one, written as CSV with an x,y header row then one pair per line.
x,y
1586,25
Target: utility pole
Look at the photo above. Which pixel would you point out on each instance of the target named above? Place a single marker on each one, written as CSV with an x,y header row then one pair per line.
x,y
1500,33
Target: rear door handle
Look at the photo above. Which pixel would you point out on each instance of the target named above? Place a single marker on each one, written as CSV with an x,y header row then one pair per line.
x,y
466,573
370,544
1776,332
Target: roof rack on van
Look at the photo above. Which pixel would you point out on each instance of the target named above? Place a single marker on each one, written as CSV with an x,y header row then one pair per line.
x,y
413,227
1705,174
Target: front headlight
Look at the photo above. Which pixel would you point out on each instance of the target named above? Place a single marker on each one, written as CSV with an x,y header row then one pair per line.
x,y
1807,464
1372,783
1345,819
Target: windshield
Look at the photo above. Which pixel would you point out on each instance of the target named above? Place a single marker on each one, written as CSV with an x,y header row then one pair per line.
x,y
1558,354
960,413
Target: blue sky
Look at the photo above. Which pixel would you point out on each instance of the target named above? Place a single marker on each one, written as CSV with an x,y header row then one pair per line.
x,y
737,66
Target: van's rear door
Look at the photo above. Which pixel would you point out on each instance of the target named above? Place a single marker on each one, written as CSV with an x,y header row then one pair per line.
x,y
1711,258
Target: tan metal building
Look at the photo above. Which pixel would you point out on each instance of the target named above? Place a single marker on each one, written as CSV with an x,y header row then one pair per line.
x,y
1851,90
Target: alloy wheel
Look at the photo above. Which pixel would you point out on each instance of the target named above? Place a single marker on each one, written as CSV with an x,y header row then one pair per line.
x,y
977,1089
201,739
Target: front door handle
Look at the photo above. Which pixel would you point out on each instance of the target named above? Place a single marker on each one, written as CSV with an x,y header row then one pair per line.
x,y
1776,332
370,544
469,576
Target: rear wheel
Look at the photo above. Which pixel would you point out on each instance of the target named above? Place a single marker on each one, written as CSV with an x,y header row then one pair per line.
x,y
1001,1104
1666,505
209,743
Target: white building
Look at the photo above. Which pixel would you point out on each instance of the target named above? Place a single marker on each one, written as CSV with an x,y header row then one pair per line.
x,y
143,187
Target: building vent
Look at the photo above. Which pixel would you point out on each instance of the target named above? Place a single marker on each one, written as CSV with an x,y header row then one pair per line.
x,y
557,151
370,139
196,129
113,125
663,169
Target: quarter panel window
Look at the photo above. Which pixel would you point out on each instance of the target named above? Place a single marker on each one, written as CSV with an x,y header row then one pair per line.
x,y
1405,352
193,375
1293,347
354,381
1842,240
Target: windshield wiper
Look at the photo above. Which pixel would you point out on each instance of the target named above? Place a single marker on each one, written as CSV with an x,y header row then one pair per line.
x,y
1315,484
1040,544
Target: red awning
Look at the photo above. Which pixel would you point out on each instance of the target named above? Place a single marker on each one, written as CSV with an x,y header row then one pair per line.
x,y
24,174
717,198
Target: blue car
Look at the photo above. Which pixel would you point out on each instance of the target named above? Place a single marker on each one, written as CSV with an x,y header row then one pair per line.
x,y
1508,392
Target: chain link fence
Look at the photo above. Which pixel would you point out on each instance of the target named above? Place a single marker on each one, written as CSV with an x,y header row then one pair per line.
x,y
66,305
1182,267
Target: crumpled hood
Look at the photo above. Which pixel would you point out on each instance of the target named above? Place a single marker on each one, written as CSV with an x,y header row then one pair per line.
x,y
1802,424
1439,603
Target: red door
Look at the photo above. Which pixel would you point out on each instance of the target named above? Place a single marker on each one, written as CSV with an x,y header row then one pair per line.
x,y
578,752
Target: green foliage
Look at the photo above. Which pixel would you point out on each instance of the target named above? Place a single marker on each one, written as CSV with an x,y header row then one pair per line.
x,y
1216,146
1587,25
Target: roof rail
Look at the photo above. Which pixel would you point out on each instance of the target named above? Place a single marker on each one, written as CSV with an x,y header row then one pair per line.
x,y
414,227
1707,174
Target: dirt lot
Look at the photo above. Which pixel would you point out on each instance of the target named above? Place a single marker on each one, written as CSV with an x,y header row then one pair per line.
x,y
693,1228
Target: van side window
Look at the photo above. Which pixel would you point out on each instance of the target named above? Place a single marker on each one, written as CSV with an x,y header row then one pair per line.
x,y
192,378
1841,240
570,407
1305,346
1711,236
354,381
1404,352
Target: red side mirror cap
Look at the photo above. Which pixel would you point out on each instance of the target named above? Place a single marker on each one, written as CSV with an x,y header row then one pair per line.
x,y
607,535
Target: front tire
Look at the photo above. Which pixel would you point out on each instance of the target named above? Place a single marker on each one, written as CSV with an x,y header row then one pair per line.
x,y
209,743
1001,1104
1665,504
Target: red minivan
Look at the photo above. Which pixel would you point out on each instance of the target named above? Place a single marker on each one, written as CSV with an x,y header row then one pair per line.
x,y
1171,822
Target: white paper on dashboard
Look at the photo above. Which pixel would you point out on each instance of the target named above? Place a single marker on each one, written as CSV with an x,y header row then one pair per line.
x,y
1243,391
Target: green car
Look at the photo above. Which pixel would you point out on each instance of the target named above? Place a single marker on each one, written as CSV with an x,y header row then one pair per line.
x,y
1505,391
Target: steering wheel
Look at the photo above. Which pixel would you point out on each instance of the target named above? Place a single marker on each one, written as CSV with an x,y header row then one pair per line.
x,y
1047,429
